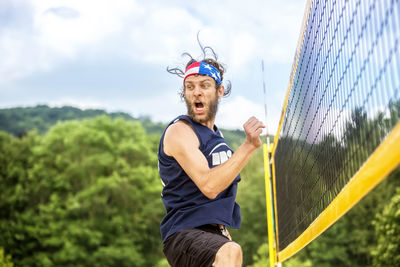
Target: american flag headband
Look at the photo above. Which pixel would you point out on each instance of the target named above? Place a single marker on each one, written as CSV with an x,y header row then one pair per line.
x,y
203,68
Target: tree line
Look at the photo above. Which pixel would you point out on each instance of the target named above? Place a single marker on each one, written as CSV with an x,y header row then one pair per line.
x,y
86,192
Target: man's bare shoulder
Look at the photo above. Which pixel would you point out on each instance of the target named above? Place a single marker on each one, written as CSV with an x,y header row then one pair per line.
x,y
179,135
179,129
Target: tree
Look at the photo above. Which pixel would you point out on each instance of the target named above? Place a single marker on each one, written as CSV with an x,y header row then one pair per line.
x,y
5,260
387,231
261,259
88,194
19,121
251,198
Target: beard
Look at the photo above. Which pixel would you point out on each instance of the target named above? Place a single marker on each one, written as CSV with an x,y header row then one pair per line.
x,y
211,113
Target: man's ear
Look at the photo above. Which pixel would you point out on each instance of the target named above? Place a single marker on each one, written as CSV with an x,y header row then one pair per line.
x,y
221,91
183,93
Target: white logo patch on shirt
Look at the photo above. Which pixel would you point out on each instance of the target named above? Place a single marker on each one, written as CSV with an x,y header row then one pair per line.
x,y
220,156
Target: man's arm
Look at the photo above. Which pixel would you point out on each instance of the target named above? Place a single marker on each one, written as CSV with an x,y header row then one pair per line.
x,y
181,142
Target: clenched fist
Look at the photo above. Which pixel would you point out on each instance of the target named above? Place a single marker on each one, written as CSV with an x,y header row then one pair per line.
x,y
253,129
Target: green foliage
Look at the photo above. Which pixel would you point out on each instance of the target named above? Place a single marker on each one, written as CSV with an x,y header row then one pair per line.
x,y
19,121
234,137
163,263
152,127
251,198
387,231
298,262
360,238
350,240
331,248
5,260
261,259
85,194
325,170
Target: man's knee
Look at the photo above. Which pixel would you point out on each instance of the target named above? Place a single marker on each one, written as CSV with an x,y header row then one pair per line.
x,y
234,249
229,252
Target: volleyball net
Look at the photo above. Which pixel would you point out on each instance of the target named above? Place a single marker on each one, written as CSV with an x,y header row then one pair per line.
x,y
339,132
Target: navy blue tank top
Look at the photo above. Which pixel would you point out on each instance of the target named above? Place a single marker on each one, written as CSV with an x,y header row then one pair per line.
x,y
186,205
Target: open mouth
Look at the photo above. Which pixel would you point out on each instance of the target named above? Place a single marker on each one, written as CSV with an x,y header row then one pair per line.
x,y
199,107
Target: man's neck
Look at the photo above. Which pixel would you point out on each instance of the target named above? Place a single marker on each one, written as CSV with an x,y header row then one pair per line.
x,y
209,123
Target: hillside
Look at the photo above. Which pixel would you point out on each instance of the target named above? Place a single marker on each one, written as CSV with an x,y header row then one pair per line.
x,y
20,120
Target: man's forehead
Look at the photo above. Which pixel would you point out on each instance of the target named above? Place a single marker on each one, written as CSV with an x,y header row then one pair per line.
x,y
198,78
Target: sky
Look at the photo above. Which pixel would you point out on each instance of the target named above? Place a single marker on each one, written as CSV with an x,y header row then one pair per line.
x,y
113,55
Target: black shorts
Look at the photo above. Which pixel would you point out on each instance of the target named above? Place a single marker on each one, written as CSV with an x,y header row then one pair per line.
x,y
194,247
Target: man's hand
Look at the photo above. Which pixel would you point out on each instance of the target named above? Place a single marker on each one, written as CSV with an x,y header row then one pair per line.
x,y
253,129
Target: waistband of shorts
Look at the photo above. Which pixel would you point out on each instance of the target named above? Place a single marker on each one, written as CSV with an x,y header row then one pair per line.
x,y
212,227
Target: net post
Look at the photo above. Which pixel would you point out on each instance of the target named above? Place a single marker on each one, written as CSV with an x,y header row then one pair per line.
x,y
275,208
269,204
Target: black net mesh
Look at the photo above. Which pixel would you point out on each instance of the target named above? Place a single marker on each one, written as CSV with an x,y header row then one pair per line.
x,y
343,102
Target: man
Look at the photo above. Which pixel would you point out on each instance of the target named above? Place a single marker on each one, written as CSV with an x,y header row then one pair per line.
x,y
200,174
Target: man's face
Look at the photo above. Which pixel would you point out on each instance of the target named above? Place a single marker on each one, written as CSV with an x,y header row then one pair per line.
x,y
201,98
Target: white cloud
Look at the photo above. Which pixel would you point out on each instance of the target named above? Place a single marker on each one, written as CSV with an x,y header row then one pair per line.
x,y
66,27
50,32
149,31
235,112
47,34
162,107
162,33
82,103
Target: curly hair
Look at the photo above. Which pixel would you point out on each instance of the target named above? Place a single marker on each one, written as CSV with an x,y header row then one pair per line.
x,y
213,60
